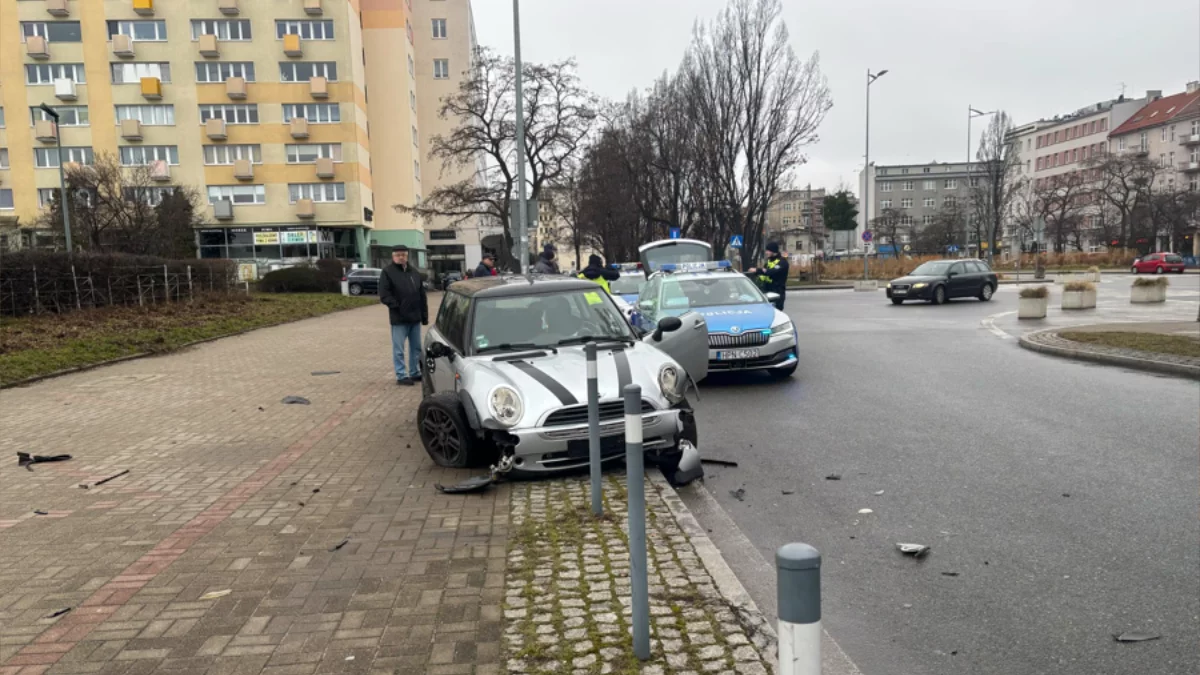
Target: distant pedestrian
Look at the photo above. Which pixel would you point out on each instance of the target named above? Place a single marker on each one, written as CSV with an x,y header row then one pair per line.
x,y
487,266
597,272
772,277
545,262
402,290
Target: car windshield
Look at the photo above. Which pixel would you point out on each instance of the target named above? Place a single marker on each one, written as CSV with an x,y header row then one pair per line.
x,y
709,291
932,269
547,320
628,284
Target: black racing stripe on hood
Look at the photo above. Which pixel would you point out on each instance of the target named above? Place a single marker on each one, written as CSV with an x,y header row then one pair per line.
x,y
564,396
624,376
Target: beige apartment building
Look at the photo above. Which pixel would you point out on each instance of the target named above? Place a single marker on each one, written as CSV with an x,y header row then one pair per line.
x,y
794,219
302,122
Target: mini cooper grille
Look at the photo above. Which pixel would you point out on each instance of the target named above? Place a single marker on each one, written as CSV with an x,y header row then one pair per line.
x,y
578,414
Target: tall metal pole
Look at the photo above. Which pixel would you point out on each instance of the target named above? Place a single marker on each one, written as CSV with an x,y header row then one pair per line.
x,y
62,179
522,226
867,186
635,482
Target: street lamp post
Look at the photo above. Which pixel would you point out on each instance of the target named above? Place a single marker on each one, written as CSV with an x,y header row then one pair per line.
x,y
522,227
867,186
62,180
971,114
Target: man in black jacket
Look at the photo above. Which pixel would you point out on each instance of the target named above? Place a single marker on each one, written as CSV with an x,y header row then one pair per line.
x,y
487,266
402,290
597,272
772,277
545,262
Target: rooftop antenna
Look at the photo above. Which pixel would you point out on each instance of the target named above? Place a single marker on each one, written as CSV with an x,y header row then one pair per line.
x,y
1122,86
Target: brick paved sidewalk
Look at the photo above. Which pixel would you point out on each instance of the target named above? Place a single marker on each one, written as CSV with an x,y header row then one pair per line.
x,y
230,490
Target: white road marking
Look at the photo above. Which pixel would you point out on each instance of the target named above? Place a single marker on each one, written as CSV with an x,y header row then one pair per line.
x,y
990,324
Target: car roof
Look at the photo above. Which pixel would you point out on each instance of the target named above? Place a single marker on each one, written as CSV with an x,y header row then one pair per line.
x,y
515,286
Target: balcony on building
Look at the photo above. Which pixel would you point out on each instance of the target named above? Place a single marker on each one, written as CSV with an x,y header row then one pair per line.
x,y
209,47
305,209
291,45
215,129
1189,166
223,209
57,8
318,87
37,47
151,88
228,7
122,46
131,130
160,170
45,131
324,167
299,127
1190,139
235,88
64,89
144,7
313,7
243,169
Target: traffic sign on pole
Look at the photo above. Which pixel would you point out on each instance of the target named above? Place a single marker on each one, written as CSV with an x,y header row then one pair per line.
x,y
867,235
735,241
907,248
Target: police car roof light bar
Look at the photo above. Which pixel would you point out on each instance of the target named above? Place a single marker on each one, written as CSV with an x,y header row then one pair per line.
x,y
710,266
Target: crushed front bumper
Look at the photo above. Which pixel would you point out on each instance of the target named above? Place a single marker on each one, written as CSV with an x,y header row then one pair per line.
x,y
545,450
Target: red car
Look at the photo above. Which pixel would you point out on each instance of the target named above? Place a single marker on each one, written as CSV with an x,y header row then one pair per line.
x,y
1157,263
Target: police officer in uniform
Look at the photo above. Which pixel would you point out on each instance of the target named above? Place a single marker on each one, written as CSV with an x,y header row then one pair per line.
x,y
772,277
597,272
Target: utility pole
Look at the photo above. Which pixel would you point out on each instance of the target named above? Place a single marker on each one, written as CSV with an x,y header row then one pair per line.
x,y
62,180
867,186
973,113
522,226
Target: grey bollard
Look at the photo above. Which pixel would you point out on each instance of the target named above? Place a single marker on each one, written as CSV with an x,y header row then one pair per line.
x,y
593,403
798,591
635,466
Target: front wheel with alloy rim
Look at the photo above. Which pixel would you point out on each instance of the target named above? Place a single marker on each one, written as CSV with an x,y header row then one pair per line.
x,y
1133,270
1158,270
985,293
939,295
356,289
444,431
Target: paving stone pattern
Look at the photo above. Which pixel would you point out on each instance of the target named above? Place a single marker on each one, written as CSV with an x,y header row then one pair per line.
x,y
231,490
567,590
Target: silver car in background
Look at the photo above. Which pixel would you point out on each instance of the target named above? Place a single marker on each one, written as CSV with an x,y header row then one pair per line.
x,y
505,378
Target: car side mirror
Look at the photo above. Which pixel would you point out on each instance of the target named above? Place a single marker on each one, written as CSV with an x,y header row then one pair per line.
x,y
439,350
668,324
772,296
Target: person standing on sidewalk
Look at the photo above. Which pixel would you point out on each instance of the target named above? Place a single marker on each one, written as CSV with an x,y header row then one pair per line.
x,y
545,262
487,266
401,289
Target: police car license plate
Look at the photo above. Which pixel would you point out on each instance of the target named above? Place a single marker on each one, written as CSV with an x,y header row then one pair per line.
x,y
737,354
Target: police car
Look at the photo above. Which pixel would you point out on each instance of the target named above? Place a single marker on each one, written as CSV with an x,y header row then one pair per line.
x,y
629,286
745,331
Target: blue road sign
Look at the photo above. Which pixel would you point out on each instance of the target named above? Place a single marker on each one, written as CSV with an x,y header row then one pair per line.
x,y
867,235
735,241
952,248
673,233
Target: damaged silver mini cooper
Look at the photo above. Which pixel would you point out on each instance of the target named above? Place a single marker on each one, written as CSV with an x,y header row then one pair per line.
x,y
505,379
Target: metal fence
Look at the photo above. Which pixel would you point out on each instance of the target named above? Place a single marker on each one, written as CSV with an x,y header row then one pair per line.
x,y
39,290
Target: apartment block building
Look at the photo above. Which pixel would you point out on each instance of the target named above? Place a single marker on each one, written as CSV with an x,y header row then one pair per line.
x,y
302,122
795,220
918,191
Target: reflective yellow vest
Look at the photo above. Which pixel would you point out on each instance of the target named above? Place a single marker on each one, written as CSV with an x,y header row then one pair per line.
x,y
771,264
600,280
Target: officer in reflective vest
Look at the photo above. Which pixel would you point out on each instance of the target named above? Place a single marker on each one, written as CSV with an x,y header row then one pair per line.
x,y
772,277
597,272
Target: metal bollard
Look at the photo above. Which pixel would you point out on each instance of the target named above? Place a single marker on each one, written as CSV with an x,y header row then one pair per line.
x,y
635,468
593,394
798,591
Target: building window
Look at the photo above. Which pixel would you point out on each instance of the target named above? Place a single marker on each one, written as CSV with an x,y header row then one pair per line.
x,y
315,113
950,184
149,115
417,169
885,186
416,142
308,153
949,201
303,71
904,171
412,99
47,73
53,31
318,192
238,194
930,202
3,158
68,115
46,196
232,113
226,155
219,71
148,195
906,203
885,204
907,186
439,29
1,118
926,170
226,30
926,220
132,73
307,30
145,155
6,200
412,70
930,185
47,158
441,69
139,31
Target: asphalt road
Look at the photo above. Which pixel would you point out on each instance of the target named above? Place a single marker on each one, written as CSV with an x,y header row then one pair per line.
x,y
1064,496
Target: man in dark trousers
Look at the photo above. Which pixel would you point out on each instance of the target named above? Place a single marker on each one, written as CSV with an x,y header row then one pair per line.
x,y
487,266
545,262
401,289
772,277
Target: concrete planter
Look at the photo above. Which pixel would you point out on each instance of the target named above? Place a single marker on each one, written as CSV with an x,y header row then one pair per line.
x,y
1067,278
866,285
1032,308
1079,299
1147,294
1093,277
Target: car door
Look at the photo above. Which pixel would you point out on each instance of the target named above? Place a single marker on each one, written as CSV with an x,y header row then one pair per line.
x,y
688,345
448,330
959,283
976,272
370,281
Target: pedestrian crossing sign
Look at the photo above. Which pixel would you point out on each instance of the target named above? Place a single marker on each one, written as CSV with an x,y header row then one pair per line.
x,y
735,241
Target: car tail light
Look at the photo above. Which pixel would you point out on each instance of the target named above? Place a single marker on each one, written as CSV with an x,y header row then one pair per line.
x,y
345,278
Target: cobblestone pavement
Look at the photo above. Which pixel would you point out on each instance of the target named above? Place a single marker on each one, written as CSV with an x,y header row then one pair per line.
x,y
567,592
249,536
1051,342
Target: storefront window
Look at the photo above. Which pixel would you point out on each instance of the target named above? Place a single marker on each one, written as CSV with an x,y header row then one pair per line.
x,y
266,243
241,243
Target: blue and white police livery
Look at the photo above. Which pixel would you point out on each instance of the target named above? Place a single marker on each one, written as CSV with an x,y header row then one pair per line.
x,y
630,284
745,331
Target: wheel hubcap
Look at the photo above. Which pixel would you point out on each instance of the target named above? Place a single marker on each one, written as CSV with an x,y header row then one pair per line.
x,y
442,435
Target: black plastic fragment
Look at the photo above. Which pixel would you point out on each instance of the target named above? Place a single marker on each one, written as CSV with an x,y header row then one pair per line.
x,y
472,484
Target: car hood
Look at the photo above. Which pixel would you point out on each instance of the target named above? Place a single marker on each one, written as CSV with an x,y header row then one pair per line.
x,y
917,279
547,383
630,298
735,319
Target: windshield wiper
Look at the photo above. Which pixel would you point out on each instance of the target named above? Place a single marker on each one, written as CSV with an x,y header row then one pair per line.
x,y
513,345
593,338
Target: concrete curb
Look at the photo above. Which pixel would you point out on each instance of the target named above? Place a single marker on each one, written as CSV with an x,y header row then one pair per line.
x,y
1028,341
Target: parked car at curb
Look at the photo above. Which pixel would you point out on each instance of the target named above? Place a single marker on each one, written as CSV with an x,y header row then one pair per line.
x,y
1158,263
362,281
940,280
505,378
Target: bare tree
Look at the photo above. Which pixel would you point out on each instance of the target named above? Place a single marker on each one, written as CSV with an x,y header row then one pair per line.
x,y
892,225
1123,181
559,116
947,228
608,210
1173,212
1059,202
992,187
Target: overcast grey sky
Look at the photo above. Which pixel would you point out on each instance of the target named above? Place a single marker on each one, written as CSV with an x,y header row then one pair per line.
x,y
1031,58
